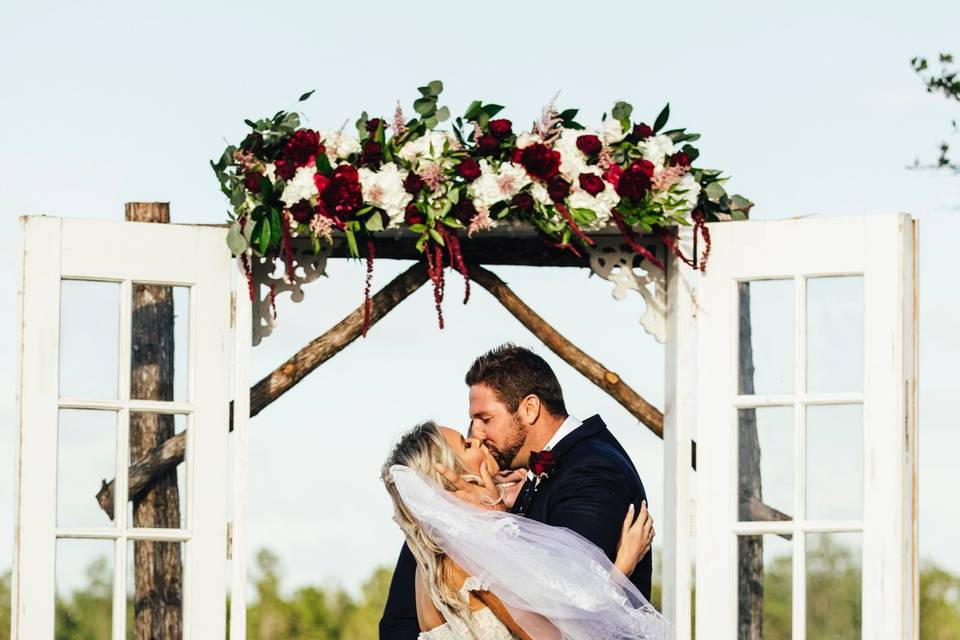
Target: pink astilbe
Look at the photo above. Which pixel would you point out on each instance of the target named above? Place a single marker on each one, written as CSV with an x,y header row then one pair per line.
x,y
399,127
245,159
286,246
548,126
480,222
322,227
667,177
432,175
605,158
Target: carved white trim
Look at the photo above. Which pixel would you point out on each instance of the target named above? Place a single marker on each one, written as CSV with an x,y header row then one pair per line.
x,y
612,259
269,281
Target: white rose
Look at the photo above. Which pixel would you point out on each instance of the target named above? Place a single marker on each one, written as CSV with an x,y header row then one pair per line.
x,y
496,185
540,193
300,187
527,139
691,188
428,147
656,149
613,131
339,144
270,171
572,160
601,204
384,189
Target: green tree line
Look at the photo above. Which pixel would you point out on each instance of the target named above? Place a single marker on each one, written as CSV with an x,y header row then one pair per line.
x,y
331,613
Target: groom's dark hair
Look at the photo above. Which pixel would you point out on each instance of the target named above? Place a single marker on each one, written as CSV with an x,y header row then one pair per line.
x,y
514,373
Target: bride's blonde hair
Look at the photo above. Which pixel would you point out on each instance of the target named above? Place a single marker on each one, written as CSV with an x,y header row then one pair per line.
x,y
421,449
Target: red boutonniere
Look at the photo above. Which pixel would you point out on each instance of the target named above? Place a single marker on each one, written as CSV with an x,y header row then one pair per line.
x,y
542,464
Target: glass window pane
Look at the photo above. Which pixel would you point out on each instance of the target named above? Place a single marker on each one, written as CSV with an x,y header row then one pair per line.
x,y
834,585
86,455
154,589
162,504
765,587
766,337
765,463
84,589
89,339
835,462
159,342
835,334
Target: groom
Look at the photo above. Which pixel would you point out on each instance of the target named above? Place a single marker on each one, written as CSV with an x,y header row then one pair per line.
x,y
584,480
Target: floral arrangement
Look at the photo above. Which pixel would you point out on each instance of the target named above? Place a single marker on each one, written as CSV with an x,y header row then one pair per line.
x,y
563,179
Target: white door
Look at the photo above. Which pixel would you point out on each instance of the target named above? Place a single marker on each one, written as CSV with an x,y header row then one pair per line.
x,y
806,430
86,288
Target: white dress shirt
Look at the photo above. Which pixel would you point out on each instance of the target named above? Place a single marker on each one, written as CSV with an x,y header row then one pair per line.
x,y
566,428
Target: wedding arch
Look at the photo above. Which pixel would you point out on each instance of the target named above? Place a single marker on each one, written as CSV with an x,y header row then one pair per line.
x,y
300,198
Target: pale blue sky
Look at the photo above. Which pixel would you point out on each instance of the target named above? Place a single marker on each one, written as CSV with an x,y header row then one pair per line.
x,y
812,108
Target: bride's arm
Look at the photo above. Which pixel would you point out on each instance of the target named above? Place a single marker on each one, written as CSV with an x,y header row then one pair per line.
x,y
635,539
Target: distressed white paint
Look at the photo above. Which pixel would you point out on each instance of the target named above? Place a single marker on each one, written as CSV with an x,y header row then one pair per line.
x,y
122,252
882,248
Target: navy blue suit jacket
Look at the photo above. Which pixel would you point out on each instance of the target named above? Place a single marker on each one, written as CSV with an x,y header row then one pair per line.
x,y
588,491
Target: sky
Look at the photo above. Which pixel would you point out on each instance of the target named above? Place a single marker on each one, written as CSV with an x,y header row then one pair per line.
x,y
813,109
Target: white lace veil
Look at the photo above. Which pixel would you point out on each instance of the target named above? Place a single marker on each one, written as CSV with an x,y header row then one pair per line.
x,y
555,583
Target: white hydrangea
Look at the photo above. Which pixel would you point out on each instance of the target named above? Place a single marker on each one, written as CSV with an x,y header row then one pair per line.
x,y
540,193
657,148
613,131
498,184
270,171
602,204
384,189
300,187
428,147
526,139
691,187
572,160
339,145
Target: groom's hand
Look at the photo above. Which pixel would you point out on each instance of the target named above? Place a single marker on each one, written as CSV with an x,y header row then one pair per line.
x,y
511,482
487,496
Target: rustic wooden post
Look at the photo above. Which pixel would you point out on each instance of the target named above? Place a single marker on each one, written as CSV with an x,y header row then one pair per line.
x,y
158,566
750,562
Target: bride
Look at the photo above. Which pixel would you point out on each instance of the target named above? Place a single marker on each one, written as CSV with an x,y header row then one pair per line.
x,y
493,575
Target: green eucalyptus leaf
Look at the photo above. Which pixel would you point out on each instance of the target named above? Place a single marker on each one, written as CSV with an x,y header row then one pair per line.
x,y
435,87
472,110
715,192
622,110
492,109
736,214
425,106
443,113
741,203
236,241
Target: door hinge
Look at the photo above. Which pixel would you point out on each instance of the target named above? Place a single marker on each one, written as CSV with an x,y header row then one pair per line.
x,y
229,541
233,309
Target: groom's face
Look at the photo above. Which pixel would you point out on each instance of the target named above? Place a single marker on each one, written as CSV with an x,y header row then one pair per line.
x,y
500,429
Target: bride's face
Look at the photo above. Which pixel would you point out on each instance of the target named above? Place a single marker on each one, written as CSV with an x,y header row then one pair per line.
x,y
472,452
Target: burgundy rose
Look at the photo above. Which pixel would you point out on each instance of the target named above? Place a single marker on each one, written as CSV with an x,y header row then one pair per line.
x,y
372,153
464,211
413,183
285,168
542,462
635,181
469,169
501,128
642,131
558,188
540,161
680,159
344,195
522,201
487,143
589,144
302,212
412,215
302,147
591,183
612,174
252,182
321,182
373,124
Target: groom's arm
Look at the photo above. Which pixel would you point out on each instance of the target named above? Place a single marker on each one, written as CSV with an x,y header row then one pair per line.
x,y
593,501
399,621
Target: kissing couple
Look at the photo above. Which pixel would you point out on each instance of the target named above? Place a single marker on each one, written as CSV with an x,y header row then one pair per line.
x,y
533,525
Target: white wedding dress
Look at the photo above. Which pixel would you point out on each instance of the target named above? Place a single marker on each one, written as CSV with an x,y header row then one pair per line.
x,y
486,626
552,581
